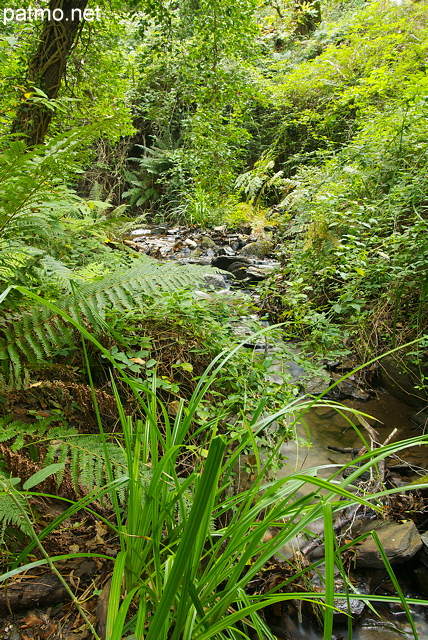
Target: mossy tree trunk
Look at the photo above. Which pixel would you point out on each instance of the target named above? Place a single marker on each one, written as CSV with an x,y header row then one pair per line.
x,y
307,15
47,67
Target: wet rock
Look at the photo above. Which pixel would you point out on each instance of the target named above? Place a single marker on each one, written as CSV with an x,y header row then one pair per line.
x,y
317,385
399,378
343,609
420,419
159,230
141,232
400,541
202,295
207,243
239,269
275,378
259,273
226,251
349,389
259,249
215,281
379,630
190,243
423,555
225,262
195,260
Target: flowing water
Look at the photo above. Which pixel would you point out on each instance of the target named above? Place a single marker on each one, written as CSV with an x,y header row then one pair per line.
x,y
324,426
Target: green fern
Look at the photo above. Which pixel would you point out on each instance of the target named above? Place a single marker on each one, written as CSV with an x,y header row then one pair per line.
x,y
83,454
31,337
17,263
38,216
12,508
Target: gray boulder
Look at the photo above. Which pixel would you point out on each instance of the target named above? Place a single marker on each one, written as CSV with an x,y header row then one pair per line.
x,y
215,281
400,541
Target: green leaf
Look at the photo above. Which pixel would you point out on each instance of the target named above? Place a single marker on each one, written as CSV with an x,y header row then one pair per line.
x,y
41,475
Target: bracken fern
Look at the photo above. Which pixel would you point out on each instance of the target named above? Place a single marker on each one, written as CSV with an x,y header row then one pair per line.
x,y
83,456
31,337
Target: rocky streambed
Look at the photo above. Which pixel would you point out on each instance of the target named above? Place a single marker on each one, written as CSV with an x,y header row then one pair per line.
x,y
248,259
246,256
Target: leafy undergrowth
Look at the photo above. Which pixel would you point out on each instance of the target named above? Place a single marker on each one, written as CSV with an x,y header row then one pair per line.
x,y
354,207
189,553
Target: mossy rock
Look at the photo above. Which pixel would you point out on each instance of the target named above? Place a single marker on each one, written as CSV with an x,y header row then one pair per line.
x,y
259,249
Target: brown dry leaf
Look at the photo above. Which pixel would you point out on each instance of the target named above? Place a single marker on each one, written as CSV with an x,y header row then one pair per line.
x,y
31,621
173,407
138,360
101,530
20,410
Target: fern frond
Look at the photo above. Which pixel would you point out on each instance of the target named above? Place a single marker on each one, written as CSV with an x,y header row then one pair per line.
x,y
57,272
17,261
12,509
32,337
96,191
82,453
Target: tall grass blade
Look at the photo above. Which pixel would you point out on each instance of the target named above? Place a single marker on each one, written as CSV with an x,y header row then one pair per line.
x,y
329,570
202,505
395,582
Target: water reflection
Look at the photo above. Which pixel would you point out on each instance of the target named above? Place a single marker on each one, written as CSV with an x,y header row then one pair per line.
x,y
324,426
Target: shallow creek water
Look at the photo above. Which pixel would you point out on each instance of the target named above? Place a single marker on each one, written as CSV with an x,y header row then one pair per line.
x,y
324,426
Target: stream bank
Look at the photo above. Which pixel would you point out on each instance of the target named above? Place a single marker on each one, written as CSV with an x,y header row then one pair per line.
x,y
325,439
322,425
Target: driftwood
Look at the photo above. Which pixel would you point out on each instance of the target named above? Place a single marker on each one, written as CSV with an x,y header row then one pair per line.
x,y
30,591
352,450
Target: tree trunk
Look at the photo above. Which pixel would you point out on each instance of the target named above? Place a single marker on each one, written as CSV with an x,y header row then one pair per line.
x,y
47,67
307,15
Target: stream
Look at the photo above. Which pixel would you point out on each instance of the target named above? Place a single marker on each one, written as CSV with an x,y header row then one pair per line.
x,y
248,258
325,426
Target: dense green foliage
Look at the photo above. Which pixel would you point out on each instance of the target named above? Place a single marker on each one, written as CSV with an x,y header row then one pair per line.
x,y
325,134
310,117
355,214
